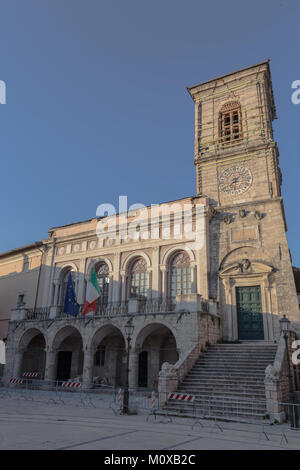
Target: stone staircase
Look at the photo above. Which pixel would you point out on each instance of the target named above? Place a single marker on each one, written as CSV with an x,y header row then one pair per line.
x,y
228,382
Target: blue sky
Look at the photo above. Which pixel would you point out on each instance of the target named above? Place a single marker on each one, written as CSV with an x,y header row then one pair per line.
x,y
97,106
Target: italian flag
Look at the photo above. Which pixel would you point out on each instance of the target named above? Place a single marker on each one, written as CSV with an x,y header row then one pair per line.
x,y
92,294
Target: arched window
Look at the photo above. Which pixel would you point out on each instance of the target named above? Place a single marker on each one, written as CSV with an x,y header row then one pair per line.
x,y
64,284
138,278
180,274
102,272
230,122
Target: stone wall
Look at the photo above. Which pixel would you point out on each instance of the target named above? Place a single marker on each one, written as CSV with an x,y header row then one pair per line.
x,y
171,376
277,379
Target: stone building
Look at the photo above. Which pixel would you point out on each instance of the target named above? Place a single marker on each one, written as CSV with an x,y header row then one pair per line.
x,y
215,268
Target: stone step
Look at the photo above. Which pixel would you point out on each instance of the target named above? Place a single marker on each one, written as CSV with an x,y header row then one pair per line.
x,y
228,367
228,380
254,344
223,374
225,387
225,393
238,359
218,400
245,353
221,383
220,408
220,370
241,418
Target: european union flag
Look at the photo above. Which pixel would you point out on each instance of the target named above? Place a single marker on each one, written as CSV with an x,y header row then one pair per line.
x,y
71,306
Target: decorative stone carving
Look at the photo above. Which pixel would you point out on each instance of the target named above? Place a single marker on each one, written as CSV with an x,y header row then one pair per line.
x,y
227,219
242,213
167,370
246,264
258,215
211,213
271,374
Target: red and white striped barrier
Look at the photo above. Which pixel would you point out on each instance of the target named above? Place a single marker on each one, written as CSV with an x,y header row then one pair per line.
x,y
153,399
15,381
181,397
30,374
119,397
71,384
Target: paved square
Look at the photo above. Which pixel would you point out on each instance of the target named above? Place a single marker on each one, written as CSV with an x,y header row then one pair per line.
x,y
41,424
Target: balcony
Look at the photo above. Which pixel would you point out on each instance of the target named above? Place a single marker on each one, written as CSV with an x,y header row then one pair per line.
x,y
191,303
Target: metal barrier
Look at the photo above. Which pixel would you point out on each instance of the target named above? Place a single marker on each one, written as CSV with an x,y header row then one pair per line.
x,y
15,381
292,413
71,384
146,401
181,397
222,408
201,418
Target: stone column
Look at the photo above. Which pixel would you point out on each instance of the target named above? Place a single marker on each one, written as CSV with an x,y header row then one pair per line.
x,y
56,289
193,278
18,360
164,286
9,366
155,273
149,275
154,367
202,254
110,287
124,286
116,278
228,307
75,363
50,366
268,314
88,367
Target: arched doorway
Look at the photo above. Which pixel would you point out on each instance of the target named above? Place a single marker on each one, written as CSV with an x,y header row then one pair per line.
x,y
34,356
156,344
110,356
68,344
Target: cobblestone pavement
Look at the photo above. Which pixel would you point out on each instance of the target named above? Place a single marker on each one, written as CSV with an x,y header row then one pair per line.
x,y
33,424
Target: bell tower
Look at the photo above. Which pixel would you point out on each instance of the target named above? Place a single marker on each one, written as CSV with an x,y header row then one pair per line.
x,y
237,168
236,157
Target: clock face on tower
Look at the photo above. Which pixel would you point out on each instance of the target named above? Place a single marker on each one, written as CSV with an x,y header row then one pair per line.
x,y
235,180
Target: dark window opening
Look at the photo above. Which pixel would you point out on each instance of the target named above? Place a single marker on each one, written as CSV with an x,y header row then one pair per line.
x,y
230,122
100,356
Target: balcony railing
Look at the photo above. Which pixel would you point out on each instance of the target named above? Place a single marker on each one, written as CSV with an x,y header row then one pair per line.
x,y
157,305
112,308
134,306
42,313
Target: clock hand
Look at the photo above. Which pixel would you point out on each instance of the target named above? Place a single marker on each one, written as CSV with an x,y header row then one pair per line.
x,y
235,180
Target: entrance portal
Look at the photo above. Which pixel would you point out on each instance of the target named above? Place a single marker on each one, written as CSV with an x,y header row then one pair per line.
x,y
249,313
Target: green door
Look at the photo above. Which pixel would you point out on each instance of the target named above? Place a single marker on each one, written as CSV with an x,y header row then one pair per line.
x,y
249,312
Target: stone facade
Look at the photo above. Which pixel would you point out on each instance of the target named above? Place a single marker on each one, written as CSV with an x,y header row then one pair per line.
x,y
193,274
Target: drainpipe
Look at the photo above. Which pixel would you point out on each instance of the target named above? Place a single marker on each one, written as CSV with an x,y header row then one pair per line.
x,y
38,281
